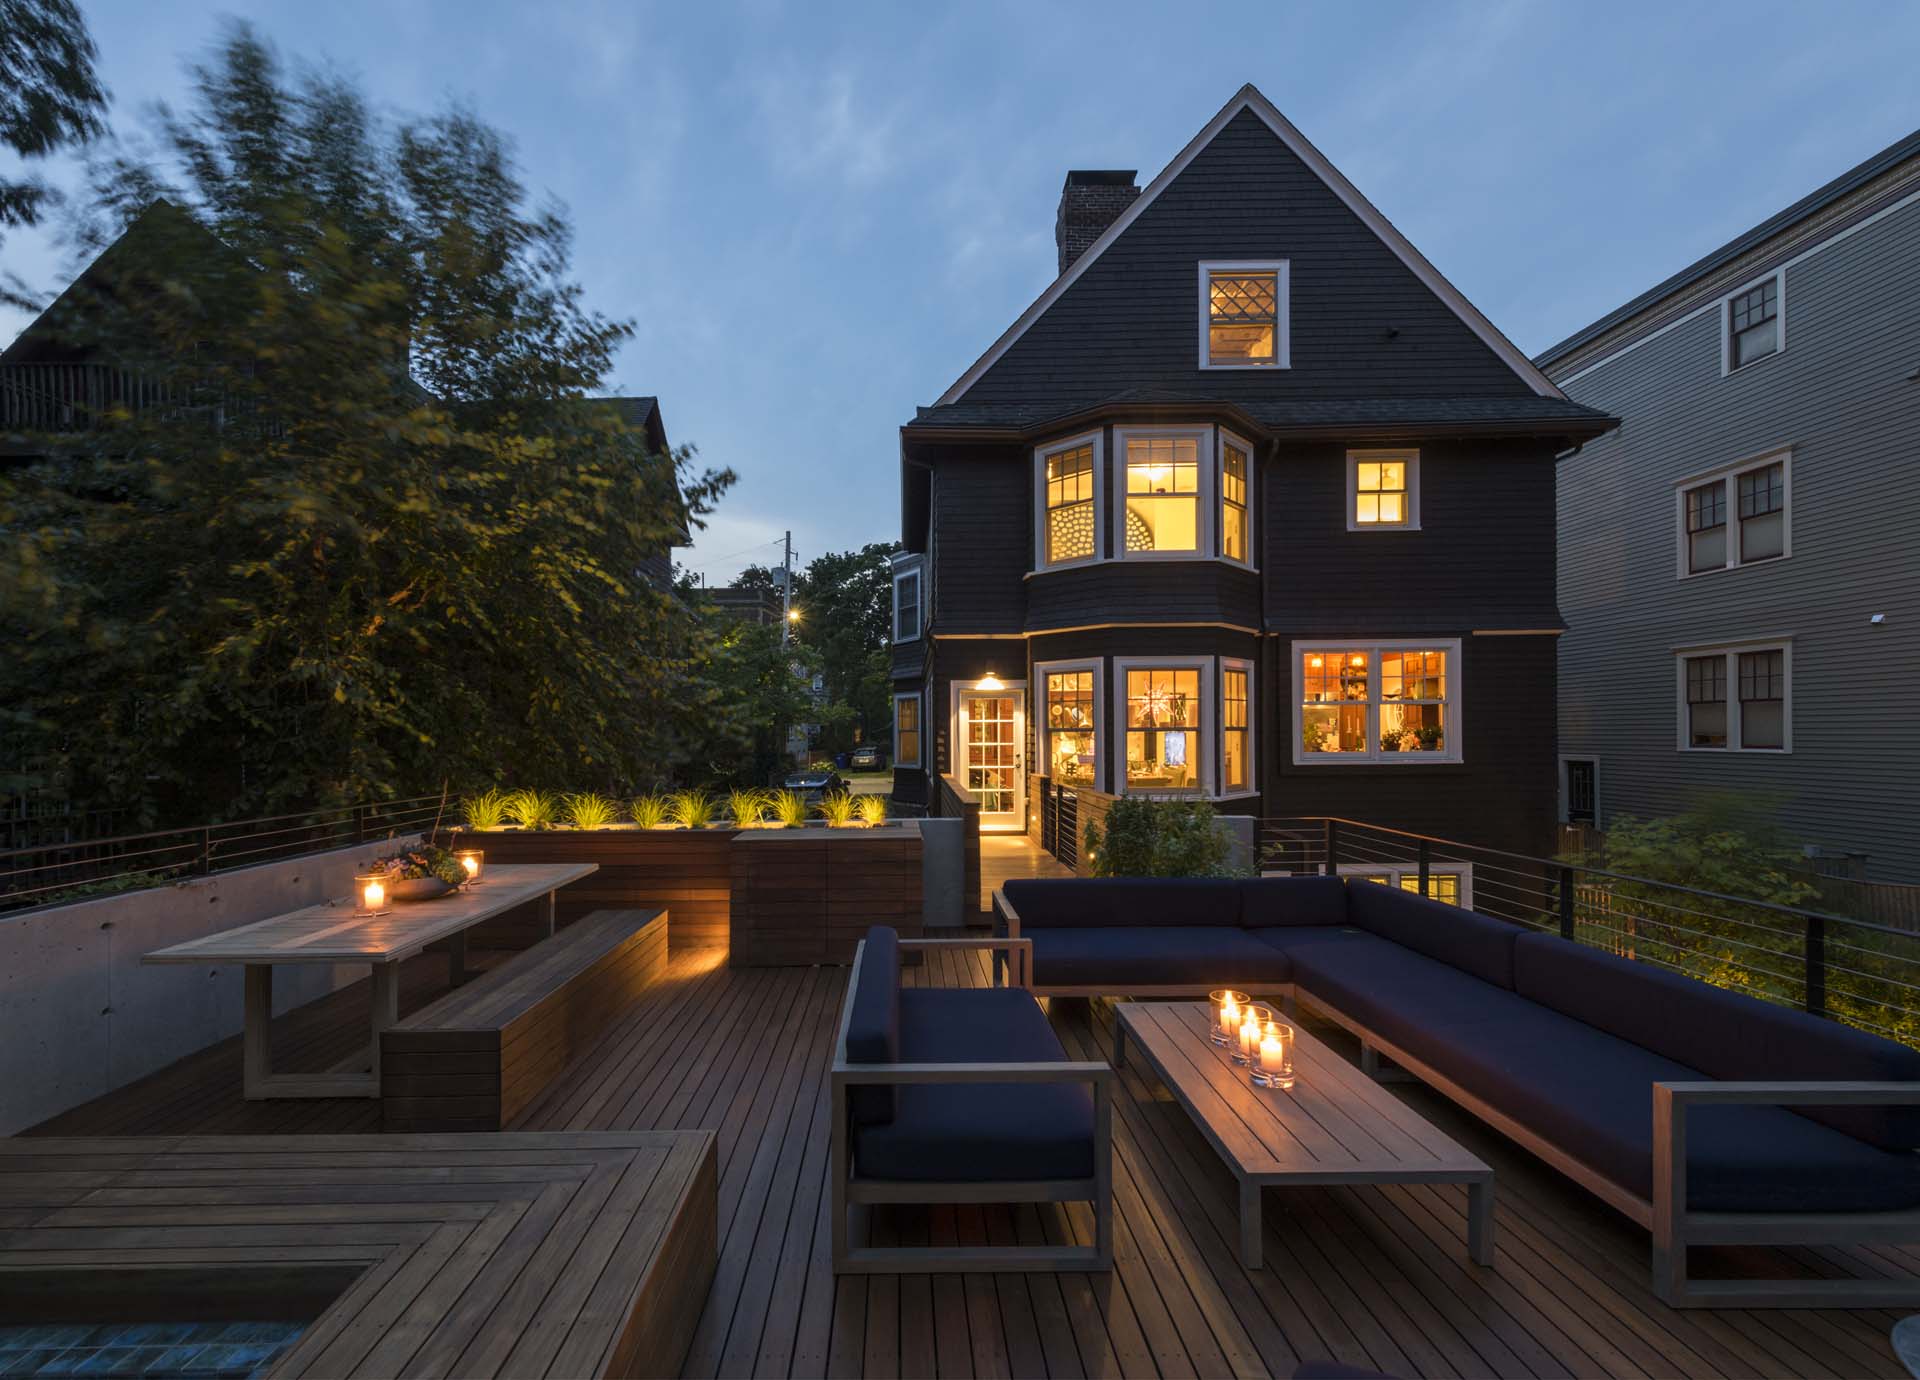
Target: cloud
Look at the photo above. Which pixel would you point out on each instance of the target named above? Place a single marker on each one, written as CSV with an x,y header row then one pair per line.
x,y
817,123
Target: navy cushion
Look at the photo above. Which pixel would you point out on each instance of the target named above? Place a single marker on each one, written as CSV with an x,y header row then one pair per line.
x,y
873,1027
1266,901
1725,1035
1473,943
1591,1094
1123,960
975,1132
1106,902
1389,989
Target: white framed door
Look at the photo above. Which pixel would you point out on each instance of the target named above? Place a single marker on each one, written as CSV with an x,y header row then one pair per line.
x,y
991,733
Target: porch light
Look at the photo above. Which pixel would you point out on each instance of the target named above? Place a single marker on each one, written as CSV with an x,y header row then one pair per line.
x,y
990,682
472,861
1272,1065
1226,1015
370,888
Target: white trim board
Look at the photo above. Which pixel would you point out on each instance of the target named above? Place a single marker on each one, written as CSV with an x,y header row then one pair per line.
x,y
1249,98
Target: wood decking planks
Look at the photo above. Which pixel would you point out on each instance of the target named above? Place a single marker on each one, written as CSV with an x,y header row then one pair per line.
x,y
564,1254
1375,1277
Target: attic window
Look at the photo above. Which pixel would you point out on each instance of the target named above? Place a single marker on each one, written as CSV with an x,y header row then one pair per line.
x,y
1243,315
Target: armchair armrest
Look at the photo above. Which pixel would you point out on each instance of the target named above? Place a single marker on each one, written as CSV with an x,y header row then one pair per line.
x,y
1019,951
1005,918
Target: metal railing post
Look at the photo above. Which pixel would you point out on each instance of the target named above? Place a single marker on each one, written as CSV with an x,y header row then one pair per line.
x,y
1426,867
1816,965
204,863
1332,844
1566,903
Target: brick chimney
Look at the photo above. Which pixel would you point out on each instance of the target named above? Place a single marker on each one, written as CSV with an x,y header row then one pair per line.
x,y
1089,203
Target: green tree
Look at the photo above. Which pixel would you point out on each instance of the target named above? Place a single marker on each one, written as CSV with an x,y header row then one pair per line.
x,y
375,535
846,601
759,691
49,97
1159,838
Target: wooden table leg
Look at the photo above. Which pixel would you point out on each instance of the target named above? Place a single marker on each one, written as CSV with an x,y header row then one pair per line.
x,y
457,960
1480,1221
386,1008
256,1064
1119,1041
1251,1254
551,906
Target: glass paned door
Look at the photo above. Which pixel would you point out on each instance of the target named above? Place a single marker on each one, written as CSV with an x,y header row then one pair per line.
x,y
990,766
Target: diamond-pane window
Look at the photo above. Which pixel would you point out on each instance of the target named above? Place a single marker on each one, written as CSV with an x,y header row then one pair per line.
x,y
1243,318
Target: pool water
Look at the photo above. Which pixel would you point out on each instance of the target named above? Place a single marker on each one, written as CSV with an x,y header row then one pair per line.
x,y
154,1351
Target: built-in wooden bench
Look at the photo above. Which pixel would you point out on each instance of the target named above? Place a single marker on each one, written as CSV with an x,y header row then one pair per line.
x,y
472,1059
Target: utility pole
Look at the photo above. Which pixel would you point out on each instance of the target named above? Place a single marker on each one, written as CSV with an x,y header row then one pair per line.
x,y
786,588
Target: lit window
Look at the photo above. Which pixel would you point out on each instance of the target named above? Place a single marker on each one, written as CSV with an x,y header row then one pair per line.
x,y
1243,318
1163,493
1071,749
906,606
1070,505
1756,717
1234,464
1235,772
1707,701
1753,323
906,730
1163,729
1757,494
1376,703
1382,489
1449,882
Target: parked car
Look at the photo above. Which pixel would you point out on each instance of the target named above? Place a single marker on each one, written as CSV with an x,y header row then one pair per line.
x,y
868,757
814,782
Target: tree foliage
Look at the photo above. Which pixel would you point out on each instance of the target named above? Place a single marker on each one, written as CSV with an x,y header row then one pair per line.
x,y
1159,838
372,534
49,94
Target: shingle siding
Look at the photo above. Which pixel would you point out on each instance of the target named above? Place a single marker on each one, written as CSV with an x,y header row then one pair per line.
x,y
1841,395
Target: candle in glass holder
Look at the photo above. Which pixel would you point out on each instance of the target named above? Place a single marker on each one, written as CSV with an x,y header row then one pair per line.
x,y
1226,1015
1272,1065
372,889
472,862
1252,1020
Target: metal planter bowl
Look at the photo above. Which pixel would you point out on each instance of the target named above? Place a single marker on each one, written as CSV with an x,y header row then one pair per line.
x,y
417,889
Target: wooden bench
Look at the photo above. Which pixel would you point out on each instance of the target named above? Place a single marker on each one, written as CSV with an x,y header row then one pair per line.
x,y
471,1060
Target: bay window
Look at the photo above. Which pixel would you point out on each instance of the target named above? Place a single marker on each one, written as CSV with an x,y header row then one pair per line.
x,y
1737,515
1163,704
1070,717
1236,528
1236,727
1162,490
1067,489
1736,698
1376,702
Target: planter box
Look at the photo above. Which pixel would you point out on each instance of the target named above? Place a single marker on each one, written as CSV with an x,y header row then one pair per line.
x,y
683,871
804,896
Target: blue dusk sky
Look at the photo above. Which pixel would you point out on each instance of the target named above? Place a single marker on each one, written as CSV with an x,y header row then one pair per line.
x,y
819,215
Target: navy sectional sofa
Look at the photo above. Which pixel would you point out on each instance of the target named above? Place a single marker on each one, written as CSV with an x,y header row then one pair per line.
x,y
1706,1115
951,1095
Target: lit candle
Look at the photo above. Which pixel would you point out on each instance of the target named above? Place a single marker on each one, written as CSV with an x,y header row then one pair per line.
x,y
470,862
375,895
1229,1014
1273,1054
1249,1036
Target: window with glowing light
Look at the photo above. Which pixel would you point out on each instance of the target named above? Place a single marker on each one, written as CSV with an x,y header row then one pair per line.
x,y
1070,511
1072,746
1164,723
1376,703
1243,316
1382,489
906,730
1163,494
1235,463
1451,883
1236,770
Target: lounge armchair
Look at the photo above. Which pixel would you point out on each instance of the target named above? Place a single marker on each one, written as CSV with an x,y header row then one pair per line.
x,y
1707,1116
962,1095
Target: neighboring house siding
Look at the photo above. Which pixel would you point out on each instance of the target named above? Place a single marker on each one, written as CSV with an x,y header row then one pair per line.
x,y
1362,325
1843,397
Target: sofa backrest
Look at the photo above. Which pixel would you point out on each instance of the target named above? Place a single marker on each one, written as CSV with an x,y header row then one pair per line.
x,y
1474,943
1083,902
1266,902
1725,1035
873,1026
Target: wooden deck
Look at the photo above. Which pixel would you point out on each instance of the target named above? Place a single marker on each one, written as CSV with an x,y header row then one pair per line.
x,y
1005,856
1373,1276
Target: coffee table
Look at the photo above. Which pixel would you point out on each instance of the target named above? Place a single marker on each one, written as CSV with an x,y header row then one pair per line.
x,y
1336,1125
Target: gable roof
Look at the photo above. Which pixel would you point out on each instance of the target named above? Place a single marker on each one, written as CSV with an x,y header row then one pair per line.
x,y
1249,98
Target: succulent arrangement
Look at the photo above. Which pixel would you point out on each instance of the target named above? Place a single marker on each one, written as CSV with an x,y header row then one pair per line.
x,y
417,864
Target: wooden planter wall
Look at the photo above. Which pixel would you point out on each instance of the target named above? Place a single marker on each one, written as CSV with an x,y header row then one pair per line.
x,y
803,896
683,870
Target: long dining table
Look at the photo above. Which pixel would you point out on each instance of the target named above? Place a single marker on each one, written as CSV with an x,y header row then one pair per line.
x,y
332,933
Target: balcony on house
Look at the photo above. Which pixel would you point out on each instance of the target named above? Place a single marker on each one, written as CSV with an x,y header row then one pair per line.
x,y
65,397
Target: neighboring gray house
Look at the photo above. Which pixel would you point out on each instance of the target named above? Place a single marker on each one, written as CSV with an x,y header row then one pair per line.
x,y
1739,563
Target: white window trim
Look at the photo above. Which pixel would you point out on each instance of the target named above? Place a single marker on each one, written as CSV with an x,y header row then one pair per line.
x,y
1566,796
1395,871
919,757
1727,476
900,576
1040,454
1234,663
1221,437
1731,651
1411,459
1043,764
1206,770
1282,308
1725,313
1206,466
1373,757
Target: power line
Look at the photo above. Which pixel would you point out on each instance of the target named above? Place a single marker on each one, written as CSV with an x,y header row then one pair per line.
x,y
721,560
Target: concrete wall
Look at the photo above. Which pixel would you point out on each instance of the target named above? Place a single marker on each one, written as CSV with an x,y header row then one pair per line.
x,y
943,864
81,1014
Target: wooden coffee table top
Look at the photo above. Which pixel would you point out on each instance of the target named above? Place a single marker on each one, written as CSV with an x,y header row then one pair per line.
x,y
1336,1125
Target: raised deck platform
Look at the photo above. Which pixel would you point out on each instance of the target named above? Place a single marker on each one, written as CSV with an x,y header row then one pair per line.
x,y
1374,1277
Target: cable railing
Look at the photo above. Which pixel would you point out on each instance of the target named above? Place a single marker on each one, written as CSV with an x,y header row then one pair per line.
x,y
1856,971
77,869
